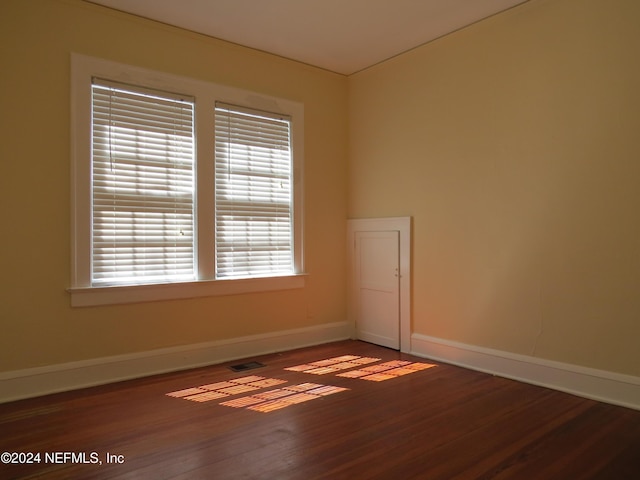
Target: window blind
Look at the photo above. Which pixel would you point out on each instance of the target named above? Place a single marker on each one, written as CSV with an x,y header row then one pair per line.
x,y
142,185
253,193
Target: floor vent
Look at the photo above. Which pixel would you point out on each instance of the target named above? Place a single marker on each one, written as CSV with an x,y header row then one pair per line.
x,y
246,366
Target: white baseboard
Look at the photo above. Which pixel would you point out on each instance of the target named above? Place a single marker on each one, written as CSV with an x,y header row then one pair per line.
x,y
33,382
609,387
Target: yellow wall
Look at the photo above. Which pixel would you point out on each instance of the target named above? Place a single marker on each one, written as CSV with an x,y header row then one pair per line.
x,y
515,146
37,325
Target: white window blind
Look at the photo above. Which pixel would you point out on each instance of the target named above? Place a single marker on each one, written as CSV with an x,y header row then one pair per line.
x,y
253,193
142,185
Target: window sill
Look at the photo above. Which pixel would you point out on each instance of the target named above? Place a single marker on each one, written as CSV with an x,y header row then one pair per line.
x,y
114,295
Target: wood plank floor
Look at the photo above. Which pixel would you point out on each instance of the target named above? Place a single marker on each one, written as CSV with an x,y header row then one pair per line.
x,y
438,423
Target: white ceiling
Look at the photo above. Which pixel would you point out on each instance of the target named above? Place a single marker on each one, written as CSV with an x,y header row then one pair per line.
x,y
343,36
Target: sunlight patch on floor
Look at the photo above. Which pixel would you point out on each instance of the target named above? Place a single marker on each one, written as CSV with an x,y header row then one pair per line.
x,y
332,365
345,366
391,369
266,401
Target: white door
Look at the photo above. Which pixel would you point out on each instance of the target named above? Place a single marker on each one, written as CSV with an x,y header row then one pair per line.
x,y
377,256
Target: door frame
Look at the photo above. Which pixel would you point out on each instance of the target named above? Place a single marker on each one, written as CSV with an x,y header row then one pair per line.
x,y
402,225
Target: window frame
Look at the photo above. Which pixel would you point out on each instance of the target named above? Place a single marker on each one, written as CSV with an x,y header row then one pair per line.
x,y
83,70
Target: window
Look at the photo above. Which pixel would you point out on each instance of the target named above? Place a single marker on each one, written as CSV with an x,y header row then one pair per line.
x,y
253,193
181,188
142,186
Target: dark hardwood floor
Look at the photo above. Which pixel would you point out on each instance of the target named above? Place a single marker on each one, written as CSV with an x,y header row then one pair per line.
x,y
443,422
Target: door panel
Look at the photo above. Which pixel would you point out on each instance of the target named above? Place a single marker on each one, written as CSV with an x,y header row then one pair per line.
x,y
377,277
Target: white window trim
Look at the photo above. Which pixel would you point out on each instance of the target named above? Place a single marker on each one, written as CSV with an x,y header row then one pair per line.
x,y
83,69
